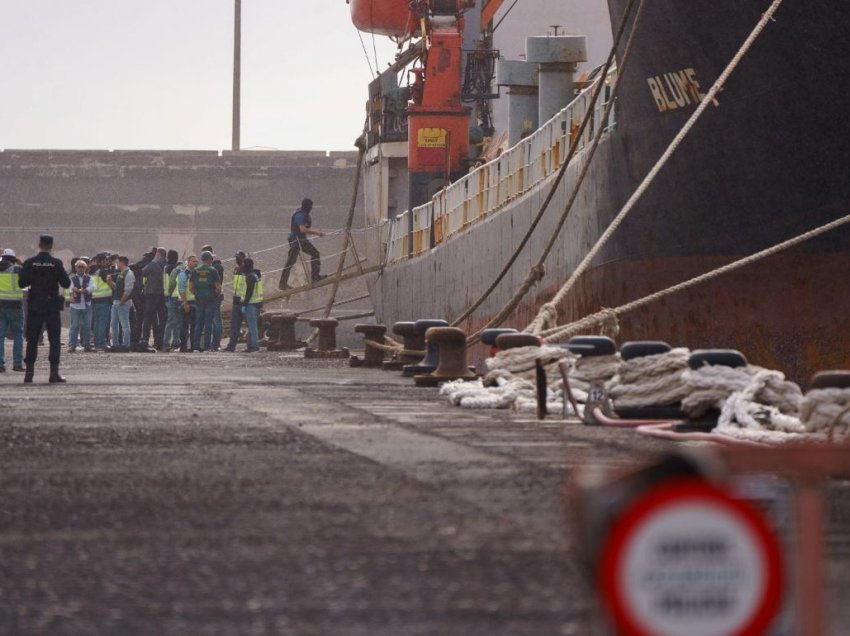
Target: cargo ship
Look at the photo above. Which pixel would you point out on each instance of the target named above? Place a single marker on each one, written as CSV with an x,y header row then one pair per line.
x,y
766,162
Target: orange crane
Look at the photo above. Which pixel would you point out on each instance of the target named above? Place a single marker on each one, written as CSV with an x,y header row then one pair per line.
x,y
438,122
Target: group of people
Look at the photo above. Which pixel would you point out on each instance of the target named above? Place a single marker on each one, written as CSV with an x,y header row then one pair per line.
x,y
111,300
118,306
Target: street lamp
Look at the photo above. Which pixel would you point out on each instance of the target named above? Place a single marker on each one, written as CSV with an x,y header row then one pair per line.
x,y
237,64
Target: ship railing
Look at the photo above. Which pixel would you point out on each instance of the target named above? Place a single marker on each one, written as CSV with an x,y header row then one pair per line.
x,y
495,184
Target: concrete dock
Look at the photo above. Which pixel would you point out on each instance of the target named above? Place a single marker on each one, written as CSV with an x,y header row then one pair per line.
x,y
265,494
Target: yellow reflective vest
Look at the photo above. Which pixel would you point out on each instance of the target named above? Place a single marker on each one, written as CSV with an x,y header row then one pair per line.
x,y
102,290
257,296
239,286
9,289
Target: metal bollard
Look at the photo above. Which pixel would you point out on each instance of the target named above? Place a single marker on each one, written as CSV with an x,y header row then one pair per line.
x,y
327,340
488,337
413,341
285,327
451,343
429,363
372,356
633,350
833,379
516,340
597,396
716,357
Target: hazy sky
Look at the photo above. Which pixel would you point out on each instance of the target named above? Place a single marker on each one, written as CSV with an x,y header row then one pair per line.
x,y
156,74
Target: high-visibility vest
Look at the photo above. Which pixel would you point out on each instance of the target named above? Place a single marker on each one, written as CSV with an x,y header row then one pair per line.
x,y
189,295
257,296
9,289
239,286
102,290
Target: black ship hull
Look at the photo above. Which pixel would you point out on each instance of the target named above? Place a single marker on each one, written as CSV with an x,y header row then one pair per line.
x,y
767,162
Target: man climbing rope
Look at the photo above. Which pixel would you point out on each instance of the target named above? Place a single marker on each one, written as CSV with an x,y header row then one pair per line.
x,y
299,229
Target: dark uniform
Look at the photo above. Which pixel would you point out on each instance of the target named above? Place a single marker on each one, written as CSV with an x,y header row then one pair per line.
x,y
43,274
298,242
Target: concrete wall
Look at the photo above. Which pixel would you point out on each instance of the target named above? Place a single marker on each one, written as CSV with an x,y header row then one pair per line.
x,y
129,201
126,201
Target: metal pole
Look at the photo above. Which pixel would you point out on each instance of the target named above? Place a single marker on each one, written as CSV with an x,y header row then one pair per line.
x,y
237,64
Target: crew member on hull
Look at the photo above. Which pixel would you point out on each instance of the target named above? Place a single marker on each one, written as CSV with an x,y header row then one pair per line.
x,y
43,274
299,228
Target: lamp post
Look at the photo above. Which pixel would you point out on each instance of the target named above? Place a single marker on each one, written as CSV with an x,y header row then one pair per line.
x,y
237,64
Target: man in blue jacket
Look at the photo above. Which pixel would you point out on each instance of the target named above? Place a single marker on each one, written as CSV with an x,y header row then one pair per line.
x,y
299,227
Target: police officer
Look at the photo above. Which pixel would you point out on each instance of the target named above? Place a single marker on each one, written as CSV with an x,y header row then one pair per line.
x,y
43,274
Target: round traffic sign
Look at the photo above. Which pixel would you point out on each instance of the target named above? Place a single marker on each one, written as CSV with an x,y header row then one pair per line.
x,y
689,558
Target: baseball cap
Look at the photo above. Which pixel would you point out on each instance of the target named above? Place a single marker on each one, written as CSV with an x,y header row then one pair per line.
x,y
9,252
206,256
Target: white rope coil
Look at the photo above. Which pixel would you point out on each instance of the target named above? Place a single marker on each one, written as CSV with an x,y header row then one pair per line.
x,y
710,386
593,369
826,411
765,410
521,361
654,380
474,395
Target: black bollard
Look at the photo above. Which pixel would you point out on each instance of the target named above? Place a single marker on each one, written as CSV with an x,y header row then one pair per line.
x,y
327,340
372,356
431,361
451,343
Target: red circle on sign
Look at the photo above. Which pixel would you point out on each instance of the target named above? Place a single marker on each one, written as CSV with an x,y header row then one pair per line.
x,y
669,495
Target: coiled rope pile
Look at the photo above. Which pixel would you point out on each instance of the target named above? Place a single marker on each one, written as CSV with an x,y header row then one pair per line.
x,y
756,404
654,380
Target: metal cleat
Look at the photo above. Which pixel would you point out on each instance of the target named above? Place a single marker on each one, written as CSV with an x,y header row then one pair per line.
x,y
327,340
372,356
451,342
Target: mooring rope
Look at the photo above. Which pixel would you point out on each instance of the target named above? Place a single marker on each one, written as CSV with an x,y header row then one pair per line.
x,y
537,270
606,315
548,312
594,96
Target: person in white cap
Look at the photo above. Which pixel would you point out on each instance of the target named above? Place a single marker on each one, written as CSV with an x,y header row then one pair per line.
x,y
11,310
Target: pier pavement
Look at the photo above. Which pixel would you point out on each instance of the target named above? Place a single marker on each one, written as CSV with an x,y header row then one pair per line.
x,y
265,494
